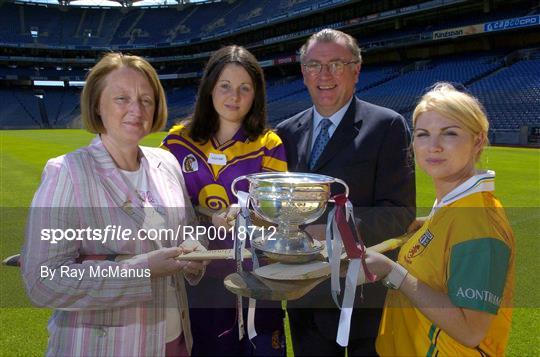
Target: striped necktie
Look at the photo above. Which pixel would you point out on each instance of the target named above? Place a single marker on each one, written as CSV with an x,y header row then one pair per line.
x,y
320,142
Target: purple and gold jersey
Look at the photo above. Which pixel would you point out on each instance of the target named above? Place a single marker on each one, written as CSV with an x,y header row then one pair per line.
x,y
210,168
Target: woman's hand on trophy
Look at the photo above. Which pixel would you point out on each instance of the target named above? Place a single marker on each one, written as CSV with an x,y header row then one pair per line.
x,y
227,217
378,264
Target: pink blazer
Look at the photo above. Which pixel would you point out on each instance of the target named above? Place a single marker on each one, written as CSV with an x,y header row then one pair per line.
x,y
97,316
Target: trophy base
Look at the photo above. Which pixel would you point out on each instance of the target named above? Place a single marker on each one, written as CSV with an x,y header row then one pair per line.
x,y
289,251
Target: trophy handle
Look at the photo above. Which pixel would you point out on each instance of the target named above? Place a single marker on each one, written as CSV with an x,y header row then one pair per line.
x,y
233,184
344,185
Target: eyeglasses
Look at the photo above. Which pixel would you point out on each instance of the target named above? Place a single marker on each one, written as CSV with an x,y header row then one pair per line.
x,y
335,67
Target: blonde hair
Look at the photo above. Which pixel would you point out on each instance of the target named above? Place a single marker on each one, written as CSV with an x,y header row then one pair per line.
x,y
447,101
95,83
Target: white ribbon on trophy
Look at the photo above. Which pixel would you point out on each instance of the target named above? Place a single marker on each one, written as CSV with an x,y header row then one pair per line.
x,y
334,248
334,243
243,220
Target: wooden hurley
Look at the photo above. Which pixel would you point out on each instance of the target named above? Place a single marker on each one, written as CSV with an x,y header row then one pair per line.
x,y
227,254
280,281
216,254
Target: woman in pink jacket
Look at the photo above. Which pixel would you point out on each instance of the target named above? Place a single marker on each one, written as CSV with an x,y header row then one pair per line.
x,y
108,199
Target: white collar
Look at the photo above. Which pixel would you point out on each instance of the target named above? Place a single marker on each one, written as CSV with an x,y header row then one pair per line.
x,y
334,118
483,181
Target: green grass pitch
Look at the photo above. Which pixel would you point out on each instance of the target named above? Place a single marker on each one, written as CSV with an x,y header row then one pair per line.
x,y
24,153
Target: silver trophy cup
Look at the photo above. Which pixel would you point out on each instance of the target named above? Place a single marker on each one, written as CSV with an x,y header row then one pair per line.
x,y
288,200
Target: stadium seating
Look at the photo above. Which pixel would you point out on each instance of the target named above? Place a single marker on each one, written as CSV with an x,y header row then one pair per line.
x,y
83,27
19,109
508,87
512,95
62,106
181,103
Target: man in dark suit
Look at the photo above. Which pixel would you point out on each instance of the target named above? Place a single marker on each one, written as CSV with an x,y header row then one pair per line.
x,y
366,146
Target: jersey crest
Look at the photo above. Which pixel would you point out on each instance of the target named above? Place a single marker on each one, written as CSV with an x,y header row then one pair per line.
x,y
190,164
419,246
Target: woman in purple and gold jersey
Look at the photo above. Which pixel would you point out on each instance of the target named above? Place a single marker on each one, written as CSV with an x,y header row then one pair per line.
x,y
451,289
226,137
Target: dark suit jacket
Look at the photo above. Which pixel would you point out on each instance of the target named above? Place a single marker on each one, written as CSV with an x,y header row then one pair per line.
x,y
369,150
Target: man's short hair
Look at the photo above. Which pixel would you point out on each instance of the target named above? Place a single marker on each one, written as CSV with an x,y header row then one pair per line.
x,y
331,35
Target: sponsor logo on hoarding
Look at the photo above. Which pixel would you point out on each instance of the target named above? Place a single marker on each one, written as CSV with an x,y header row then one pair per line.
x,y
457,32
512,23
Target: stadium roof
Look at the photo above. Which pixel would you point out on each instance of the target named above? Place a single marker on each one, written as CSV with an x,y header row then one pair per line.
x,y
110,3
